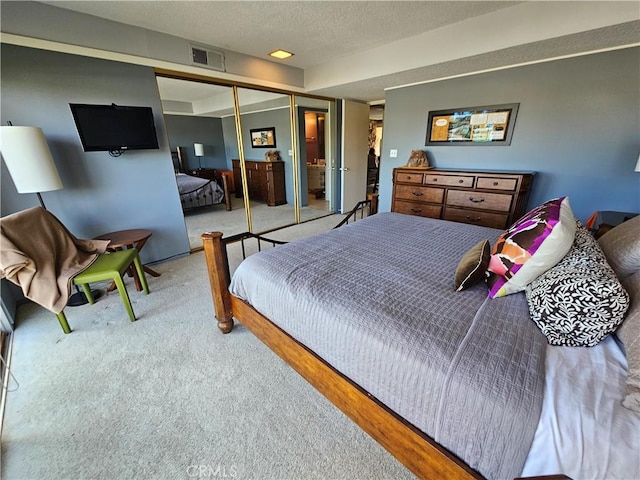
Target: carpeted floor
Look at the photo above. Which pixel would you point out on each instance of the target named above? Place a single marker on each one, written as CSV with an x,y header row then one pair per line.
x,y
169,396
263,217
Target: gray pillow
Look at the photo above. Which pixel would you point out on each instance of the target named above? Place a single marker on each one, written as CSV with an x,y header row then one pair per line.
x,y
579,301
621,246
629,334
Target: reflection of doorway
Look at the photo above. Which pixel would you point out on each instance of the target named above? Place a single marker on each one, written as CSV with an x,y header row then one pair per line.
x,y
314,137
314,156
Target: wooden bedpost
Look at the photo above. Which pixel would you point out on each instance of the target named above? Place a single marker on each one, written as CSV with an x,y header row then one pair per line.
x,y
227,195
216,257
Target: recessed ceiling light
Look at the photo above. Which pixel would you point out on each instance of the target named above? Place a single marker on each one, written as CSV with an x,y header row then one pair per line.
x,y
281,54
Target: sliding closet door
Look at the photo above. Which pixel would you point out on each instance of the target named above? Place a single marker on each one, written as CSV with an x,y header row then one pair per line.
x,y
200,124
265,168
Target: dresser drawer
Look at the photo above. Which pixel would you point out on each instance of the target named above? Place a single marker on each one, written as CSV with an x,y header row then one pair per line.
x,y
450,180
494,183
409,177
419,193
419,209
475,217
481,200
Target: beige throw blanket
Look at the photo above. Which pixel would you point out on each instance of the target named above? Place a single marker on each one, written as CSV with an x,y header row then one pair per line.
x,y
41,256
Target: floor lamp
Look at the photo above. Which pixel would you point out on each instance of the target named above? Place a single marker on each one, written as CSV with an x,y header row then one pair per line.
x,y
198,148
28,159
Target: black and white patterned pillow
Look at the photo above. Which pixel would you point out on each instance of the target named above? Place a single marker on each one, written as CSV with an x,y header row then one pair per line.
x,y
579,301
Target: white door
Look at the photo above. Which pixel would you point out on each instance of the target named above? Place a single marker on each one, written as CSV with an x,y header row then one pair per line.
x,y
355,146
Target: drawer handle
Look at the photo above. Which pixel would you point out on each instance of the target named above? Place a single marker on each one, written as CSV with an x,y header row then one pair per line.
x,y
477,219
461,181
417,193
471,199
416,210
434,180
495,184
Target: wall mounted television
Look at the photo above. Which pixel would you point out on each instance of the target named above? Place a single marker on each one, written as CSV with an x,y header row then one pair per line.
x,y
114,128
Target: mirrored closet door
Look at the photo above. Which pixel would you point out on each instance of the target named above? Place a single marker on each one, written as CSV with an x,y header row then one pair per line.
x,y
268,173
270,155
200,123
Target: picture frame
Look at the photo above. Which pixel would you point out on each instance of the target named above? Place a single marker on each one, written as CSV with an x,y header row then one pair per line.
x,y
263,137
488,125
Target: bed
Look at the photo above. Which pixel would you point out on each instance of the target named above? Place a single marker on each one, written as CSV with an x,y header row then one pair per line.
x,y
453,384
196,192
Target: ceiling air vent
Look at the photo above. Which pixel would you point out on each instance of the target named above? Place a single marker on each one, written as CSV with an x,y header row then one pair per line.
x,y
207,58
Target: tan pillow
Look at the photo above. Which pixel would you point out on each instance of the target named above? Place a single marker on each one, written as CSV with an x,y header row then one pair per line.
x,y
629,333
472,266
621,246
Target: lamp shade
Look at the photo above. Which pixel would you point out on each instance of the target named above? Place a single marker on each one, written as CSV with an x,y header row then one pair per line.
x,y
638,164
28,159
199,149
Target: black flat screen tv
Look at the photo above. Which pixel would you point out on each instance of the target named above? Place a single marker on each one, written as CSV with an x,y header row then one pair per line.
x,y
114,128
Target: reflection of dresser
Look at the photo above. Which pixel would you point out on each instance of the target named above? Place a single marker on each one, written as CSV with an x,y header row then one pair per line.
x,y
265,181
488,198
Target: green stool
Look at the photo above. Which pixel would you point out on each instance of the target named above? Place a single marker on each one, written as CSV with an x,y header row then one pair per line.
x,y
109,266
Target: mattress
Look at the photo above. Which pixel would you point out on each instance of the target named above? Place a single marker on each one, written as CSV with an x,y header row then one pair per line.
x,y
375,299
584,431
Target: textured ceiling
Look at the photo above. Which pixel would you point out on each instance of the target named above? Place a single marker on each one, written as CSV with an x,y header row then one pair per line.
x,y
323,34
316,31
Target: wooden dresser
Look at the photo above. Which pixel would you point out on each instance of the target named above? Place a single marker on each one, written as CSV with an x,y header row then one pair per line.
x,y
265,181
208,173
489,198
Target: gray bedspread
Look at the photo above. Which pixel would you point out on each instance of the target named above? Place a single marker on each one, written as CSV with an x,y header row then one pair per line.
x,y
198,192
375,299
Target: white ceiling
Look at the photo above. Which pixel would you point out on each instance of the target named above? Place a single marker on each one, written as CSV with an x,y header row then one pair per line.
x,y
357,49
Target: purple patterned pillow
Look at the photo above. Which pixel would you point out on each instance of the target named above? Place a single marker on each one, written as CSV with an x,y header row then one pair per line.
x,y
530,247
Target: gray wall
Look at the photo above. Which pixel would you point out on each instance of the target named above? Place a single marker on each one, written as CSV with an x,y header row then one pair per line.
x,y
101,193
184,131
577,127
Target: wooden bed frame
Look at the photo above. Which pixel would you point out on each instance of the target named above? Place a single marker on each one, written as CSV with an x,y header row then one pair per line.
x,y
417,451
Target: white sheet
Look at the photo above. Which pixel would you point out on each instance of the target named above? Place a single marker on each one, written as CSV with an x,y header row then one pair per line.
x,y
579,383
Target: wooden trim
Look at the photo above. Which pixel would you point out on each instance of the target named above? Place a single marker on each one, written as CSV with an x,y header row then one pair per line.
x,y
418,452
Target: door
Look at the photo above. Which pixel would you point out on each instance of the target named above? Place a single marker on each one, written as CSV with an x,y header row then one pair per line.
x,y
355,146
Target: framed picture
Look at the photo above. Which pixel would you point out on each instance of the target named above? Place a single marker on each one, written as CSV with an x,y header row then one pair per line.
x,y
472,126
263,137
